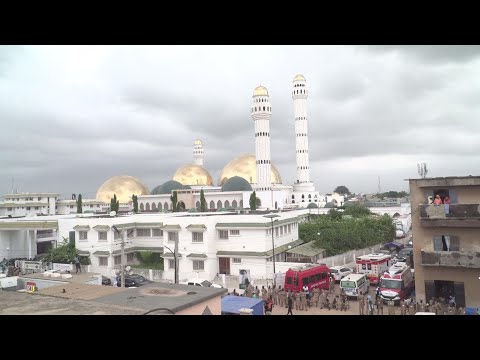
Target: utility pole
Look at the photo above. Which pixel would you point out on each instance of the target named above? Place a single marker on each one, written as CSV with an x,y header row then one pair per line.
x,y
175,255
122,258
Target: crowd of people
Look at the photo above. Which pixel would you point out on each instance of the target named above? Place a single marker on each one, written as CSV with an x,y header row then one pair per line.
x,y
439,201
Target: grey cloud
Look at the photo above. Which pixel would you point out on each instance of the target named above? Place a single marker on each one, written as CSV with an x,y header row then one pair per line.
x,y
433,53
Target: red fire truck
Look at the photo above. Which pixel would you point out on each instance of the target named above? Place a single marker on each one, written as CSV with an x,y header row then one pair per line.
x,y
396,283
311,275
374,265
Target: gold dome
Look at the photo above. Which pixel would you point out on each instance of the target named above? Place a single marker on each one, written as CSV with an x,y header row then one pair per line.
x,y
299,77
123,186
260,91
245,166
193,175
198,142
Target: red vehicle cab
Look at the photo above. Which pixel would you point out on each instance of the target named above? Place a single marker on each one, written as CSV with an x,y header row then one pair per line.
x,y
311,275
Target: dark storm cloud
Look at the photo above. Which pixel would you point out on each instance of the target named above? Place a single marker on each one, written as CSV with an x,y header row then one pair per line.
x,y
72,117
434,53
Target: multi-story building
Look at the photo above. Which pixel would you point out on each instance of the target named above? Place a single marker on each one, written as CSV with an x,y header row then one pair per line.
x,y
28,204
446,239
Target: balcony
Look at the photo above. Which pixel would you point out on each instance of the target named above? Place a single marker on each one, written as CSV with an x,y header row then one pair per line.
x,y
460,215
456,259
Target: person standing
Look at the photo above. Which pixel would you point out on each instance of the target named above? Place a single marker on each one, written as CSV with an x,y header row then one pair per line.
x,y
290,305
438,200
391,307
379,306
361,303
76,261
446,203
264,293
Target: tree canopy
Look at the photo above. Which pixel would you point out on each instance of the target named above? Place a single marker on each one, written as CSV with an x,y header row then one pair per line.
x,y
339,234
64,254
342,190
392,194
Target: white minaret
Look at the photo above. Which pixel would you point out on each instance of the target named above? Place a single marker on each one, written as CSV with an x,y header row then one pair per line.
x,y
299,95
198,152
261,114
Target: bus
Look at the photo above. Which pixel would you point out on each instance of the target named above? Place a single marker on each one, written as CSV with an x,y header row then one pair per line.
x,y
374,265
310,275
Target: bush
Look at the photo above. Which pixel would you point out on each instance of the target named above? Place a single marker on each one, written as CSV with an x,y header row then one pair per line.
x,y
64,254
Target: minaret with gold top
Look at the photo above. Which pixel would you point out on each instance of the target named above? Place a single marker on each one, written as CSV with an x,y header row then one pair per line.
x,y
261,114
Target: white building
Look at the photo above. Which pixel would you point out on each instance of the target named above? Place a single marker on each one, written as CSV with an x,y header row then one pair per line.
x,y
28,204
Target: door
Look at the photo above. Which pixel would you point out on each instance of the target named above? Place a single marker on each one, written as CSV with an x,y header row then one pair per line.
x,y
224,266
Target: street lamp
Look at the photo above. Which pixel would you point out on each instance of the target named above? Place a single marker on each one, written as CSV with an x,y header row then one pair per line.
x,y
271,216
176,263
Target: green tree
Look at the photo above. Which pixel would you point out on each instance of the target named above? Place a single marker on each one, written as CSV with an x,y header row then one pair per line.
x,y
334,214
357,210
174,200
114,203
342,190
253,201
135,203
203,202
64,254
79,204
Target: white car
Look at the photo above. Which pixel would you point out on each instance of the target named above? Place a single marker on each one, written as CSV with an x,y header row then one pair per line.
x,y
202,282
339,272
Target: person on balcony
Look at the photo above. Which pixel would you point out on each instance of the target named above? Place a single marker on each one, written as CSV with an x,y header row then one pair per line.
x,y
438,200
446,202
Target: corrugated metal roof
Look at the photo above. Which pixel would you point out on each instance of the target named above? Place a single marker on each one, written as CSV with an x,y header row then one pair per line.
x,y
241,253
283,248
308,249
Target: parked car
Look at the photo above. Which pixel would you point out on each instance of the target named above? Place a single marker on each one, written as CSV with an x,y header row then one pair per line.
x,y
339,272
133,280
106,281
202,282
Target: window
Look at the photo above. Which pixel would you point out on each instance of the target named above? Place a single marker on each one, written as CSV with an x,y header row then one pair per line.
x,y
39,199
197,236
236,260
144,232
318,277
289,280
305,281
223,234
102,236
446,243
157,232
311,279
130,233
171,264
9,209
82,235
117,260
198,265
116,235
103,261
369,266
172,236
234,232
130,257
28,207
36,207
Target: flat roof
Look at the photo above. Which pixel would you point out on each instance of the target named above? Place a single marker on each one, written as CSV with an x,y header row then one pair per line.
x,y
175,297
76,278
446,177
74,290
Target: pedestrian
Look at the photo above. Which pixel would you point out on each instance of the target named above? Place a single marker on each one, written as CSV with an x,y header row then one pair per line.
x,y
257,292
235,292
361,304
391,307
438,200
379,306
377,293
264,293
76,261
290,305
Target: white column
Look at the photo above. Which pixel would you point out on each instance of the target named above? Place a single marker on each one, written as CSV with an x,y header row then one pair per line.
x,y
198,152
299,96
261,113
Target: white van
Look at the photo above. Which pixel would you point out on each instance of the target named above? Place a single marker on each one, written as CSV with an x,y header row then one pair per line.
x,y
355,284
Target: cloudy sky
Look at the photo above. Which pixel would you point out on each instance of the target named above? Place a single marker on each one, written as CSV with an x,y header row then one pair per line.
x,y
73,116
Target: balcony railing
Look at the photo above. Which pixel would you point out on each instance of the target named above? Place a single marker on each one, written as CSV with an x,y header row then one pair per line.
x,y
459,259
44,235
459,215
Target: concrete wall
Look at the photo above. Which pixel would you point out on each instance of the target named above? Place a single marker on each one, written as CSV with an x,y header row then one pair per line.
x,y
20,244
214,304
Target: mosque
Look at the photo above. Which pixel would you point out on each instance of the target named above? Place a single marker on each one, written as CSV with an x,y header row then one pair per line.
x,y
240,177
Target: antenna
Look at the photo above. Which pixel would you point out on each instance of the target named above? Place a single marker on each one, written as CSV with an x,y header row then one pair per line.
x,y
379,187
422,169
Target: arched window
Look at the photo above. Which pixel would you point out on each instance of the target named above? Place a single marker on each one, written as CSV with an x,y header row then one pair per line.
x,y
197,205
165,206
181,206
234,204
159,205
142,208
264,108
212,205
147,207
303,196
255,108
154,207
241,203
309,196
227,204
219,204
276,205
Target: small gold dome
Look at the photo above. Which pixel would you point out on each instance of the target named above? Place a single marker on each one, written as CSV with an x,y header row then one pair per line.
x,y
260,91
193,175
299,77
123,186
245,166
198,142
